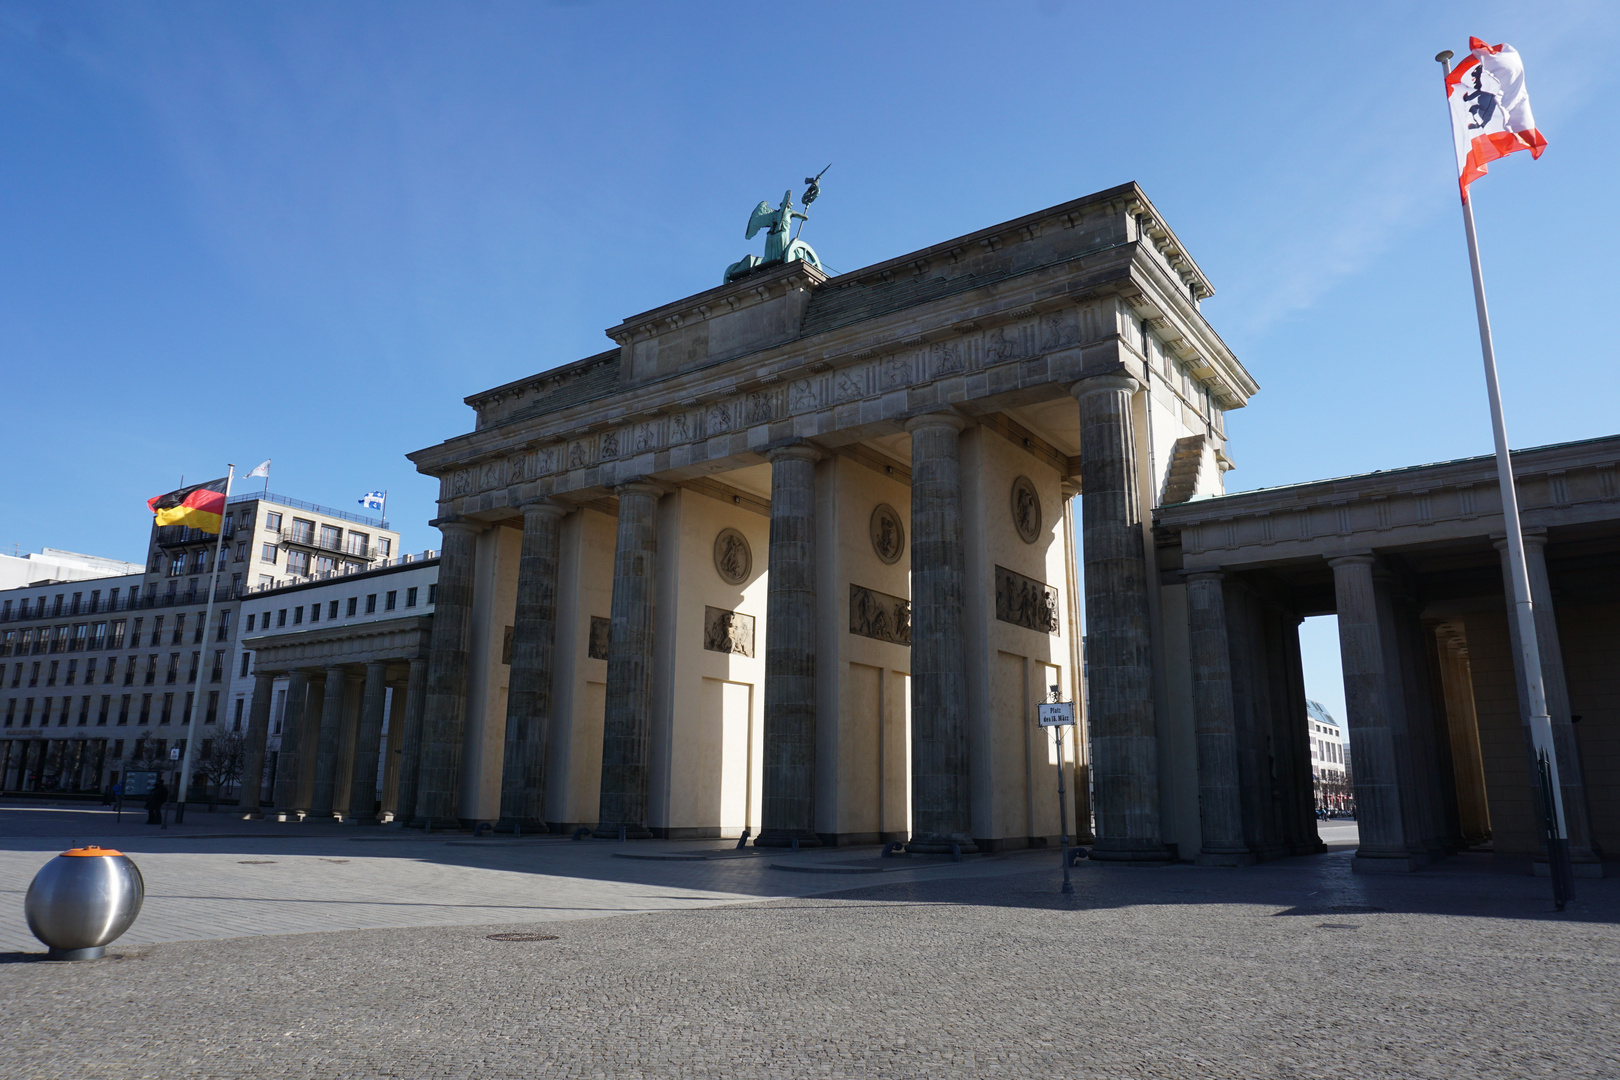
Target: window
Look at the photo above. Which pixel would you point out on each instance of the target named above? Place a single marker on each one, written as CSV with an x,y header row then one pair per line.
x,y
325,564
72,673
118,748
168,709
298,563
250,622
241,551
135,634
98,636
123,709
28,712
95,600
281,617
27,645
157,630
81,634
11,711
5,610
213,707
51,680
410,596
199,561
385,547
433,593
245,656
217,672
146,709
236,724
389,599
9,643
331,610
358,542
77,597
60,644
112,599
224,631
106,707
179,629
298,615
56,608
267,553
33,674
172,675
272,521
303,532
177,565
16,676
84,711
331,537
371,604
354,604
196,659
90,671
200,627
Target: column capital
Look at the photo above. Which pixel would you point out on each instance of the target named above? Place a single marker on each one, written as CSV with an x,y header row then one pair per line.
x,y
457,523
640,485
798,451
1204,575
1533,538
1360,558
372,665
936,419
544,506
1114,380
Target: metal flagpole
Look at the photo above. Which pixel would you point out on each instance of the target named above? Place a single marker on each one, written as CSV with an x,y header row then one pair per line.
x,y
208,619
1541,736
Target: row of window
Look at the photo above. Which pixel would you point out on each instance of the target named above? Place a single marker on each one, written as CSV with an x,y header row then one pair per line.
x,y
21,712
351,608
36,607
25,609
69,672
93,637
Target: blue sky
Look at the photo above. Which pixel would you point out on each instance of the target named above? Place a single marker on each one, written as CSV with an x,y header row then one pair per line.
x,y
306,232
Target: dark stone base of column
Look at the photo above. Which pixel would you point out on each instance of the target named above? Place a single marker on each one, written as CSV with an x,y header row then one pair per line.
x,y
631,832
1226,858
250,815
1136,852
529,828
1393,863
324,817
941,845
289,815
781,838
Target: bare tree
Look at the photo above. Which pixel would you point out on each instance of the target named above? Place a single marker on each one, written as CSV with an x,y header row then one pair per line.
x,y
223,762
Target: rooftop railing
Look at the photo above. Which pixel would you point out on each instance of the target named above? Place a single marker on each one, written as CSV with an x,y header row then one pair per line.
x,y
300,504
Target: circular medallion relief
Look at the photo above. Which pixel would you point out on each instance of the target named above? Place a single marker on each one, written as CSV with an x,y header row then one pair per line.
x,y
1026,509
733,561
888,534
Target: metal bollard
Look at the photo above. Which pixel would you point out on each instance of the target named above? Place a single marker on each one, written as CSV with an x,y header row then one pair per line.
x,y
82,900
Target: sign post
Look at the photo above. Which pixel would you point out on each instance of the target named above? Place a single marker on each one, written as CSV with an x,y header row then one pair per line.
x,y
1058,715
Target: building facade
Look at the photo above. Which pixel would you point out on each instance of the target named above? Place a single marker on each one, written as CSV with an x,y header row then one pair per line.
x,y
103,672
1330,760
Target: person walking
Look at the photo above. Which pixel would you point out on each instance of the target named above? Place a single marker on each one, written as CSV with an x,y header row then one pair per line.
x,y
154,802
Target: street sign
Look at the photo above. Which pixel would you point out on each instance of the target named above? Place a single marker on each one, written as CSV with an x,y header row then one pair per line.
x,y
1057,713
174,753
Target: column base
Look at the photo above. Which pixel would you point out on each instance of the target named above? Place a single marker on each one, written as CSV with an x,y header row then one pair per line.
x,y
941,845
1225,858
1388,864
631,832
324,817
782,838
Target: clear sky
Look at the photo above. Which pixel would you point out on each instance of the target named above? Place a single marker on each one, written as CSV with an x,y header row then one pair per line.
x,y
306,231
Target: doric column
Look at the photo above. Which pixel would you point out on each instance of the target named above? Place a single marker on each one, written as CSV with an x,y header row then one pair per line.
x,y
1119,656
327,742
390,750
788,803
410,746
438,777
288,760
1571,780
367,745
258,731
627,719
1368,700
940,790
534,639
1220,807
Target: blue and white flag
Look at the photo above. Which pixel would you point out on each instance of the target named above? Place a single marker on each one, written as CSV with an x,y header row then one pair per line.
x,y
373,500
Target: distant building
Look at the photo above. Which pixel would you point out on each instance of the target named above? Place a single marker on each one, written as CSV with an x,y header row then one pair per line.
x,y
50,566
1330,760
100,671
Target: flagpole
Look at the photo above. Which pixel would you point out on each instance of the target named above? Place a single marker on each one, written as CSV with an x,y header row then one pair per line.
x,y
208,619
1541,736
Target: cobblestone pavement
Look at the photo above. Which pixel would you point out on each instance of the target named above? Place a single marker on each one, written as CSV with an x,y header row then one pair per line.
x,y
1292,969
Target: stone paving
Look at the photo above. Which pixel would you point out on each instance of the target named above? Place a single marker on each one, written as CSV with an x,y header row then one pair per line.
x,y
1291,969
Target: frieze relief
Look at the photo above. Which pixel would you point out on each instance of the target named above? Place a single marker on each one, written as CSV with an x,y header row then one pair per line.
x,y
596,647
728,631
878,615
1026,602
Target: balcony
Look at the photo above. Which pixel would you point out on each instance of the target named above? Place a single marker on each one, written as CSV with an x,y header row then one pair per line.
x,y
304,540
175,535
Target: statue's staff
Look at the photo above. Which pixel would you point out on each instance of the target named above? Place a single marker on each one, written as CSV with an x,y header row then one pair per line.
x,y
810,194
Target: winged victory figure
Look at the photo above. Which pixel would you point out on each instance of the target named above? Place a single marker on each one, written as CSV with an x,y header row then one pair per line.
x,y
780,247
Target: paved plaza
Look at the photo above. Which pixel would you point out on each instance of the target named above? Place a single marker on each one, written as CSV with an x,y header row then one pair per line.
x,y
269,950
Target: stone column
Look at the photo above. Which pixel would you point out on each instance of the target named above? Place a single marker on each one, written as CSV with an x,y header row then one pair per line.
x,y
258,731
410,746
288,760
627,720
1571,780
348,736
1220,808
534,639
1119,657
940,790
788,803
327,740
1380,811
391,748
368,744
438,776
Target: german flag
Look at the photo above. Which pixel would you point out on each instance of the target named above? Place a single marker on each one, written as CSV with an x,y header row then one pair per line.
x,y
201,506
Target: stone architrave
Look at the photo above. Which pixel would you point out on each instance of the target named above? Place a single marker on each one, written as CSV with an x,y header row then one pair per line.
x,y
288,761
534,637
438,776
627,717
789,788
258,731
940,789
363,804
410,745
328,744
1220,807
1119,660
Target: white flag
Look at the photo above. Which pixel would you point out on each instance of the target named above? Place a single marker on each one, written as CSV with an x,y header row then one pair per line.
x,y
261,469
373,500
1490,110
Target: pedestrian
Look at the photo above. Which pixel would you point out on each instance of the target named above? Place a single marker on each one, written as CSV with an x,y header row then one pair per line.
x,y
154,802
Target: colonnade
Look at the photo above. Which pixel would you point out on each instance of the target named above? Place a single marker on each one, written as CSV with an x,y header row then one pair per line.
x,y
65,764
